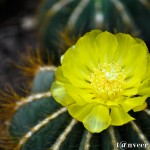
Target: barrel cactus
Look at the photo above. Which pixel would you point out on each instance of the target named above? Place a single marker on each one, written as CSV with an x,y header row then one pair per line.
x,y
56,113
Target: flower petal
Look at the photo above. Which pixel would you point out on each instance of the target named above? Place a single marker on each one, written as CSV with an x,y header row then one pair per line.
x,y
135,70
106,45
145,89
87,51
98,119
119,116
80,112
58,90
130,91
130,49
60,95
145,85
138,53
131,103
80,95
141,107
139,41
59,75
125,41
75,71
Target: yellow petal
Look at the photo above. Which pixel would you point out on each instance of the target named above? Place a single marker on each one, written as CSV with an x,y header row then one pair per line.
x,y
147,74
130,91
145,85
80,95
131,103
125,41
87,51
135,68
106,45
141,107
136,61
98,119
139,41
59,93
76,72
80,112
145,89
58,89
119,116
131,54
59,75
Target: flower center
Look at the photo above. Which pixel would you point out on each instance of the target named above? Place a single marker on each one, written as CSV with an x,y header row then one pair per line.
x,y
108,80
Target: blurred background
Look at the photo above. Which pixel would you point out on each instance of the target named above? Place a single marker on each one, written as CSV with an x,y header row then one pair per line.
x,y
18,32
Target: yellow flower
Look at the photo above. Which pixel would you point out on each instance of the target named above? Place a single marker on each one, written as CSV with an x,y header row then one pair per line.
x,y
102,78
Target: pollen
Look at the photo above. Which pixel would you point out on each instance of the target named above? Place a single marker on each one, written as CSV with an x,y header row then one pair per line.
x,y
107,81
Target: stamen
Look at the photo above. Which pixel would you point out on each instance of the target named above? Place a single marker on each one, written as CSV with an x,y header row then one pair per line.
x,y
108,80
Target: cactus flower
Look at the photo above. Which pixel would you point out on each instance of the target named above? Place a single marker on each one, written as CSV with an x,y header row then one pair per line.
x,y
102,77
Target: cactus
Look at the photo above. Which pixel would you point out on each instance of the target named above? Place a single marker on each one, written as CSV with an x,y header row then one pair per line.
x,y
72,18
36,121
